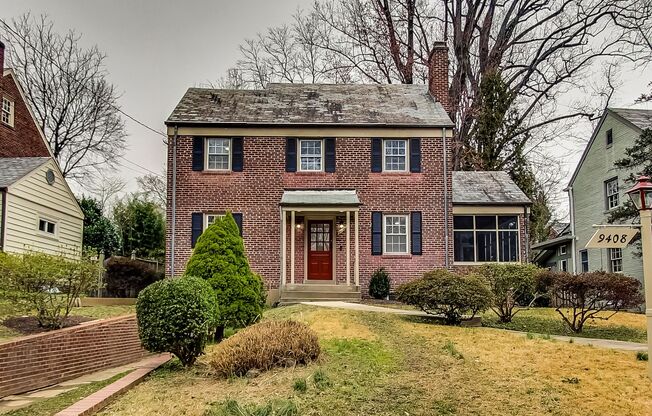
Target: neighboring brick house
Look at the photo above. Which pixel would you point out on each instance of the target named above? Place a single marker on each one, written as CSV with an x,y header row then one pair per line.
x,y
38,211
597,187
330,182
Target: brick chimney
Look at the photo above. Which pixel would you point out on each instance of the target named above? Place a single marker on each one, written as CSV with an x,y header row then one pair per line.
x,y
438,74
2,57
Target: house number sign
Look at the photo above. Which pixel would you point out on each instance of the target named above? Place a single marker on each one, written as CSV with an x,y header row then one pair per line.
x,y
612,237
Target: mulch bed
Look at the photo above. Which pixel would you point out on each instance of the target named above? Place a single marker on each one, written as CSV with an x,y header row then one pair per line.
x,y
28,325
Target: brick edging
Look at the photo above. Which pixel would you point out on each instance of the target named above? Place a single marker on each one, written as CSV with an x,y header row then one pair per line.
x,y
101,398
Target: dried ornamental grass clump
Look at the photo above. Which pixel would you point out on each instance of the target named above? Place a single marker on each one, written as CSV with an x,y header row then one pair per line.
x,y
264,346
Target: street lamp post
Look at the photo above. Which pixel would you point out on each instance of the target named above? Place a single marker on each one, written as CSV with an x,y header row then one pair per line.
x,y
641,196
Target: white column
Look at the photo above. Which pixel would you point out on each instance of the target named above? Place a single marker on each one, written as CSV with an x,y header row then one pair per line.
x,y
348,248
357,249
283,248
292,231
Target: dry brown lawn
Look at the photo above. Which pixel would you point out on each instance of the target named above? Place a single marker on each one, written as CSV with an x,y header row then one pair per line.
x,y
379,364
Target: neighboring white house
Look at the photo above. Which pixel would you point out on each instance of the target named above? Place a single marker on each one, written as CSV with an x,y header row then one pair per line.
x,y
598,186
38,211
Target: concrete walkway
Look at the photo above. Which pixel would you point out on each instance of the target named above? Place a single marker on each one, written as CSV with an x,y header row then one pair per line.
x,y
596,342
18,401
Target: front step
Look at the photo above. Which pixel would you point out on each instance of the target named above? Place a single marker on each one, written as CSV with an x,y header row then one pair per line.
x,y
291,294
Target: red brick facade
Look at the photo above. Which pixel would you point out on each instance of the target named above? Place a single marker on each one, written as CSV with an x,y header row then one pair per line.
x,y
23,138
42,360
256,193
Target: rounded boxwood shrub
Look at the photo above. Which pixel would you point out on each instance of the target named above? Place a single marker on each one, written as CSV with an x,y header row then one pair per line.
x,y
177,316
379,284
219,258
452,295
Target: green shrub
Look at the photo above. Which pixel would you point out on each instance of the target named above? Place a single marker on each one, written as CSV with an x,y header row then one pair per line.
x,y
441,292
177,316
379,284
48,284
219,258
264,346
508,283
126,278
583,296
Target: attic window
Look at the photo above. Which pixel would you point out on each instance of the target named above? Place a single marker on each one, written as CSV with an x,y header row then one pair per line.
x,y
7,113
47,226
610,137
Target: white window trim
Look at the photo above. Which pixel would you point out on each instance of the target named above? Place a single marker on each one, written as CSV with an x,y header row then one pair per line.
x,y
207,154
12,111
498,230
408,243
612,259
560,262
582,262
54,235
407,156
299,155
607,195
211,214
562,250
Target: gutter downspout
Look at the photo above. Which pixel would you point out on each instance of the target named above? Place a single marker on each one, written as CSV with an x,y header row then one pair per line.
x,y
174,201
572,224
446,219
3,219
526,225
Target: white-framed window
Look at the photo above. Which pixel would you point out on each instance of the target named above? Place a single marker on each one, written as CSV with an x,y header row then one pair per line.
x,y
209,219
615,260
486,238
395,157
562,250
47,226
7,112
396,234
584,261
311,155
563,265
218,153
611,193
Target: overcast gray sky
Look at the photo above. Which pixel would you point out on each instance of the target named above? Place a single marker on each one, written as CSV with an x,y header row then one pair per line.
x,y
157,49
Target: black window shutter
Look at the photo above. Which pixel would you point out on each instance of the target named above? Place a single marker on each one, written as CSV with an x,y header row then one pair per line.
x,y
197,227
237,154
415,227
376,154
238,220
291,154
329,154
376,233
197,153
415,155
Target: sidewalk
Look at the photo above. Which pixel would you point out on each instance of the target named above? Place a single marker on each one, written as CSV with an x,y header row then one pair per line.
x,y
596,342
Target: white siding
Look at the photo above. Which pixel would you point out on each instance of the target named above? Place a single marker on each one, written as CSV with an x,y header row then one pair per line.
x,y
32,198
589,194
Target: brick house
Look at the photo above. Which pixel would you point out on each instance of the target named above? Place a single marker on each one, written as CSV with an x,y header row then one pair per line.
x,y
330,182
38,211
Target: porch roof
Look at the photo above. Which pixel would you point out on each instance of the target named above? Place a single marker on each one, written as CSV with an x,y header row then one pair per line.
x,y
315,198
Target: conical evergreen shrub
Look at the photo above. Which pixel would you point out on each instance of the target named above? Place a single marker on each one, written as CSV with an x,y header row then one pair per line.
x,y
219,258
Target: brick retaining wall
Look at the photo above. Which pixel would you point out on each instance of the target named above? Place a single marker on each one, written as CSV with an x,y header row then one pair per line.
x,y
42,360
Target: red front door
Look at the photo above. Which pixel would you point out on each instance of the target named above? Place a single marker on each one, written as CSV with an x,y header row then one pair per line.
x,y
320,250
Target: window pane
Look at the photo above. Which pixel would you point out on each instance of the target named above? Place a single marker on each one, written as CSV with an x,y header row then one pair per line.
x,y
463,222
508,222
396,234
395,155
485,222
50,228
486,245
463,246
508,245
41,225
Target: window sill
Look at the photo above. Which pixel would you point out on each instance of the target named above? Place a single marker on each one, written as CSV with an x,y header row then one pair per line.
x,y
396,256
311,173
390,173
11,126
216,172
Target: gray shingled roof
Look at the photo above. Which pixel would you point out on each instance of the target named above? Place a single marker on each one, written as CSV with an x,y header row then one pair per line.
x,y
319,104
486,188
14,168
639,117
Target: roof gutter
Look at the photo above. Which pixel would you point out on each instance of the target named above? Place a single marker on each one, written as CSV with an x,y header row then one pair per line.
x,y
303,125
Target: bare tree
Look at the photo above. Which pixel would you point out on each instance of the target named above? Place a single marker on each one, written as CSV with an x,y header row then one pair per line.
x,y
66,86
105,190
542,48
154,188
